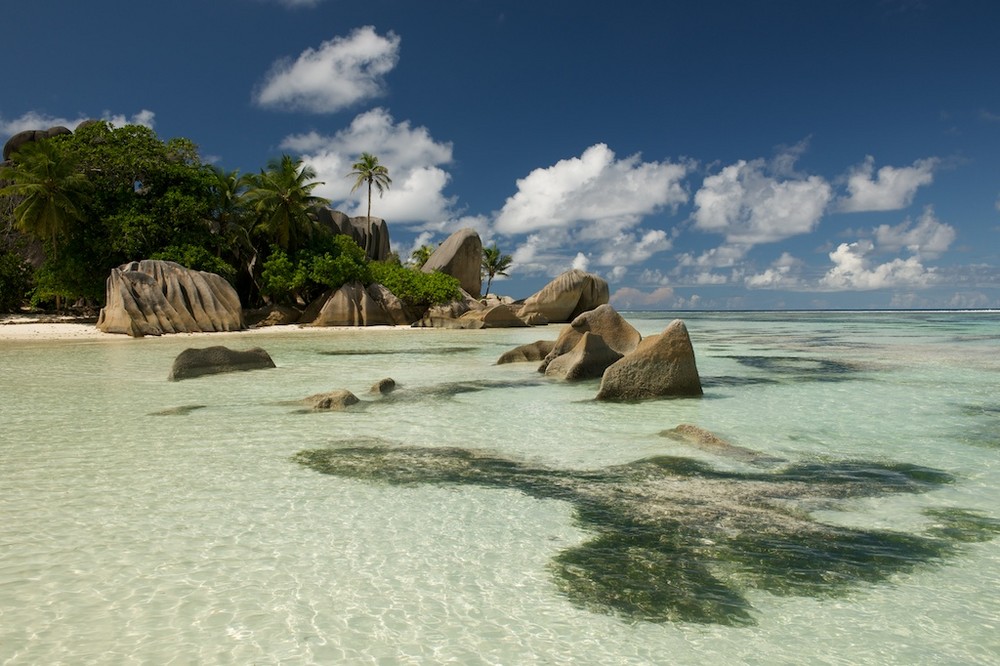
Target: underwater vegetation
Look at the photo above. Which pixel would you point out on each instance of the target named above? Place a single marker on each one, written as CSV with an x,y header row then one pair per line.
x,y
675,540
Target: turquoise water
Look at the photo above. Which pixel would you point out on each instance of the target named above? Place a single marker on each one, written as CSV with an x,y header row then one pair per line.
x,y
155,522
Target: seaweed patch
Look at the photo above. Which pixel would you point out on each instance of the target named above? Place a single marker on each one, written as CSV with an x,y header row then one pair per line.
x,y
676,540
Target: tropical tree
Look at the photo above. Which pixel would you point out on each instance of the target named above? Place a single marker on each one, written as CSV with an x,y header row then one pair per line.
x,y
368,170
51,193
494,263
282,198
420,256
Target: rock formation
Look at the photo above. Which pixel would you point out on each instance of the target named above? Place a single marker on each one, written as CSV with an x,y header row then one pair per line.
x,y
213,360
334,401
534,351
371,233
497,316
662,365
17,141
155,297
383,386
588,359
604,321
567,296
356,305
460,256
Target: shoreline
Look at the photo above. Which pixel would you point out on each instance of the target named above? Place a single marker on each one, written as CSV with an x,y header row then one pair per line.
x,y
20,328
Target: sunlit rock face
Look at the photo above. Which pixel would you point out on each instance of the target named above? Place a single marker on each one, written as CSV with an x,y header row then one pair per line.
x,y
604,321
214,360
371,233
676,540
567,296
533,351
661,366
461,256
155,297
349,305
587,360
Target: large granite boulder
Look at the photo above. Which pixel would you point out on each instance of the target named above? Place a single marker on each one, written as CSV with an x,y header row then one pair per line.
x,y
399,312
587,360
460,256
213,360
435,321
350,305
567,296
604,321
496,316
533,351
17,141
154,297
371,233
661,366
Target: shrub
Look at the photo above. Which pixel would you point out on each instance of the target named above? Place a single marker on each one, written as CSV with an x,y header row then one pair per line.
x,y
15,281
415,287
196,258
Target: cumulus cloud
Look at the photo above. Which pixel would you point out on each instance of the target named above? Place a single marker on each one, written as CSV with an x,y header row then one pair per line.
x,y
596,189
782,274
748,204
627,249
629,297
341,72
891,188
929,237
34,120
854,270
413,157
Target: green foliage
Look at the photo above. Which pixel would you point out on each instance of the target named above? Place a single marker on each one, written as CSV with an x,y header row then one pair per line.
x,y
494,263
368,170
328,264
420,256
415,287
196,257
15,281
346,263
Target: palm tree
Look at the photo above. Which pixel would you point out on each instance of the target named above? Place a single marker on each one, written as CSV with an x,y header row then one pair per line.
x,y
51,191
420,256
368,170
282,198
494,263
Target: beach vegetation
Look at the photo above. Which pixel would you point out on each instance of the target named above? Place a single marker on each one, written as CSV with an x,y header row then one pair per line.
x,y
420,256
368,171
494,263
413,286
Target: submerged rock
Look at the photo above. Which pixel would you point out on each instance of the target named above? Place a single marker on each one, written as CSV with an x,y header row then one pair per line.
x,y
213,360
383,386
335,401
676,540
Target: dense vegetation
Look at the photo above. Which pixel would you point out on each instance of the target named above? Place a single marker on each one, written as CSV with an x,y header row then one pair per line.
x,y
74,206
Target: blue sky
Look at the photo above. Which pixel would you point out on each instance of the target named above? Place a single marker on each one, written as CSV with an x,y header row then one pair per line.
x,y
709,154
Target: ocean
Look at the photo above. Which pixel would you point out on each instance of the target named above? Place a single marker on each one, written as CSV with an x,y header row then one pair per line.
x,y
484,514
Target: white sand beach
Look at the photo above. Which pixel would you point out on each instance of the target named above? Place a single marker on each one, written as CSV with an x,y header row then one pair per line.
x,y
51,328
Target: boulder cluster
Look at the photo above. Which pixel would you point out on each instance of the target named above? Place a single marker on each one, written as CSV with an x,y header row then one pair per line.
x,y
601,344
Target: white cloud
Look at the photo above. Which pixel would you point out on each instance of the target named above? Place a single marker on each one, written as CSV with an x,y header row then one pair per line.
x,y
724,256
341,72
580,262
629,297
33,120
783,273
749,206
928,238
597,190
413,157
628,248
854,270
891,188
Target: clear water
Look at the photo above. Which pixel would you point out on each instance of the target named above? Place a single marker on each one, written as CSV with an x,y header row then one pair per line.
x,y
136,529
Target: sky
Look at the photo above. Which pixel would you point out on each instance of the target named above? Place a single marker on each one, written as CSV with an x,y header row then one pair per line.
x,y
709,154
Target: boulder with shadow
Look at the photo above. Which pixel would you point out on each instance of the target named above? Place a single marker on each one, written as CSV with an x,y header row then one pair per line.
x,y
218,359
567,296
588,359
660,366
604,321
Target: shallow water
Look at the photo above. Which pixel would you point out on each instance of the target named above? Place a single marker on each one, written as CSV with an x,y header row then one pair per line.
x,y
147,521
